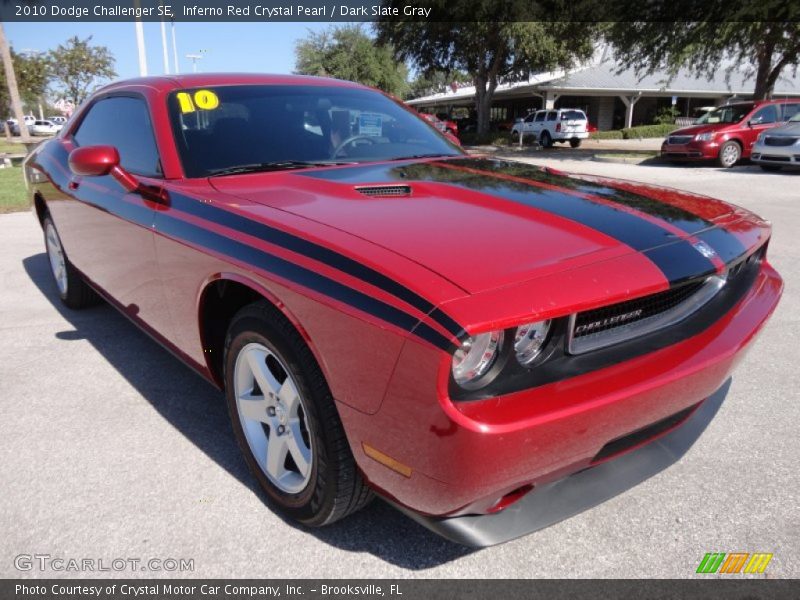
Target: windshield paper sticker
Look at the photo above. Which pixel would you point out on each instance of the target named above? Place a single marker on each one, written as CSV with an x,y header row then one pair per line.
x,y
370,124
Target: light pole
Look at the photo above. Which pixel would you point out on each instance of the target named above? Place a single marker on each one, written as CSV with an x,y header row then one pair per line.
x,y
164,46
194,58
174,49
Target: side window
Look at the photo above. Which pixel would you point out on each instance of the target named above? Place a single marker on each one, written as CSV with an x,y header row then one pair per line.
x,y
122,122
790,110
552,115
529,118
540,116
768,114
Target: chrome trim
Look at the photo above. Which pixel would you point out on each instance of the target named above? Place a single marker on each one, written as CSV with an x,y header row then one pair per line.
x,y
622,333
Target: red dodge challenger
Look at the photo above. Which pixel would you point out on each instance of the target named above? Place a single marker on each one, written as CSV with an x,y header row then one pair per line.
x,y
489,346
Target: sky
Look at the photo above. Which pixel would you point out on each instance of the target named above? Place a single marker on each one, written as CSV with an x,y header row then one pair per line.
x,y
250,47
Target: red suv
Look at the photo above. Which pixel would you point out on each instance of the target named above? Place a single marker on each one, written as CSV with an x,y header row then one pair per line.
x,y
727,133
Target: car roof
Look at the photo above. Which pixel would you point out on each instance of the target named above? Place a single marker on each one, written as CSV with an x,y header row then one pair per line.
x,y
193,80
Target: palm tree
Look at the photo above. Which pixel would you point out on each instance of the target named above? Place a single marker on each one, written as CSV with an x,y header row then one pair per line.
x,y
13,90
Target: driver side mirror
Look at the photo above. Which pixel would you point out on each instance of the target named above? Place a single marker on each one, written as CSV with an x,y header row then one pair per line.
x,y
97,161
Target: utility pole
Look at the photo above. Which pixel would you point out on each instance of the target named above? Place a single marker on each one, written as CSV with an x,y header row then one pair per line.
x,y
174,49
13,90
164,47
140,47
194,58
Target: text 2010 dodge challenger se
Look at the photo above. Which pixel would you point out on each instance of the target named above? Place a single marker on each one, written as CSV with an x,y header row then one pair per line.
x,y
488,345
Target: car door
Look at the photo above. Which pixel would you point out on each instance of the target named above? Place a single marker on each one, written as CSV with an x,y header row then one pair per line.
x,y
107,231
527,123
538,122
763,118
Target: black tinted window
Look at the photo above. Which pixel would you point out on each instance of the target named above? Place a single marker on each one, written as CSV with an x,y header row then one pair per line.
x,y
540,117
572,115
768,114
124,123
551,116
790,110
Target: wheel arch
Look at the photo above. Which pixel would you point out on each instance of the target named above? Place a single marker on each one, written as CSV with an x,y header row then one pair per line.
x,y
40,206
221,296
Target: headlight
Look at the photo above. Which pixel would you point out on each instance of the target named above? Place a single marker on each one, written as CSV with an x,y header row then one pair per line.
x,y
529,340
760,137
475,357
704,137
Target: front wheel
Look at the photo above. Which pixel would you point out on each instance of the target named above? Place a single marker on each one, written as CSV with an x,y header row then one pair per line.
x,y
285,421
72,289
729,154
546,140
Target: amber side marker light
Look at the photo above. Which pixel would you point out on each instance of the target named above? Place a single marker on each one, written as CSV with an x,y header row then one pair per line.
x,y
386,460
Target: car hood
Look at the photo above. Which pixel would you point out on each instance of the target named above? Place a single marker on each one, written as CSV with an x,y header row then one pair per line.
x,y
702,128
483,224
789,130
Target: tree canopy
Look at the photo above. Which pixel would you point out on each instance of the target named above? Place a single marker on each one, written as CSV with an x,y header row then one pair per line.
x,y
348,52
492,49
33,76
77,67
764,49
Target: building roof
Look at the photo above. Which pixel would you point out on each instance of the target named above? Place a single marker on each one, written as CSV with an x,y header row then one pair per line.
x,y
603,77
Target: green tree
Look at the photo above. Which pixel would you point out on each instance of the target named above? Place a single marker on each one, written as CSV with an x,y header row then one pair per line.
x,y
435,82
77,67
766,48
348,52
33,76
492,48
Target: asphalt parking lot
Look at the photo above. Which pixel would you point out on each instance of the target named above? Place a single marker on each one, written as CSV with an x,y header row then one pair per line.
x,y
110,448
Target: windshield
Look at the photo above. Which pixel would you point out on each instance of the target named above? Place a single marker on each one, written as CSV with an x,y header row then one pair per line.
x,y
795,118
258,127
725,114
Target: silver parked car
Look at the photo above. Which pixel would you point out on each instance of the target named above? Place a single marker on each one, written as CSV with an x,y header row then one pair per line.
x,y
778,147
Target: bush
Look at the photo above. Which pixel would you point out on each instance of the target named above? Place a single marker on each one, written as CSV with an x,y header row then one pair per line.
x,y
635,133
615,134
667,115
648,131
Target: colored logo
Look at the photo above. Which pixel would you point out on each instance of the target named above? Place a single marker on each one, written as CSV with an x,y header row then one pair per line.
x,y
735,562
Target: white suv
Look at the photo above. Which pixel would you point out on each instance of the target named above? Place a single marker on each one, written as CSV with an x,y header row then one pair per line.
x,y
553,125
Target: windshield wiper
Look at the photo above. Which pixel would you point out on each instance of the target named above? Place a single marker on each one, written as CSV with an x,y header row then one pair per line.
x,y
281,165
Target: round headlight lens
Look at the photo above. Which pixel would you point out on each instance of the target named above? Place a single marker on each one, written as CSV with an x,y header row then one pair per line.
x,y
475,356
529,340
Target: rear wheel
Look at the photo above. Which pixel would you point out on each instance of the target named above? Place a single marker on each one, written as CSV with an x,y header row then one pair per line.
x,y
546,140
770,168
72,289
285,421
575,142
729,154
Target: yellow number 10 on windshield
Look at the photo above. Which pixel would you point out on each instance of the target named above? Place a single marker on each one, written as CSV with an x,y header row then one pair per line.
x,y
203,99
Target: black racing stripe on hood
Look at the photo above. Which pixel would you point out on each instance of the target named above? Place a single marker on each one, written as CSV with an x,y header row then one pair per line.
x,y
675,257
312,250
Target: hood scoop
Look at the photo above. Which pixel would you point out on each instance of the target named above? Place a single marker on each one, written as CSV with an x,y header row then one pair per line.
x,y
384,191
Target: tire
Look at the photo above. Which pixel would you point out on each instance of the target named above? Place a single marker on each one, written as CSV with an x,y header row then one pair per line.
x,y
546,140
729,154
575,142
306,468
73,291
770,168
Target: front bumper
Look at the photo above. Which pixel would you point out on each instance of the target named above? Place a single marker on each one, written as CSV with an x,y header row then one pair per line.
x,y
553,502
694,150
467,458
787,156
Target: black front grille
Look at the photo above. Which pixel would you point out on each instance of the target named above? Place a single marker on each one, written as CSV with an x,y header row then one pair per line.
x,y
678,140
385,191
776,158
631,311
776,140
